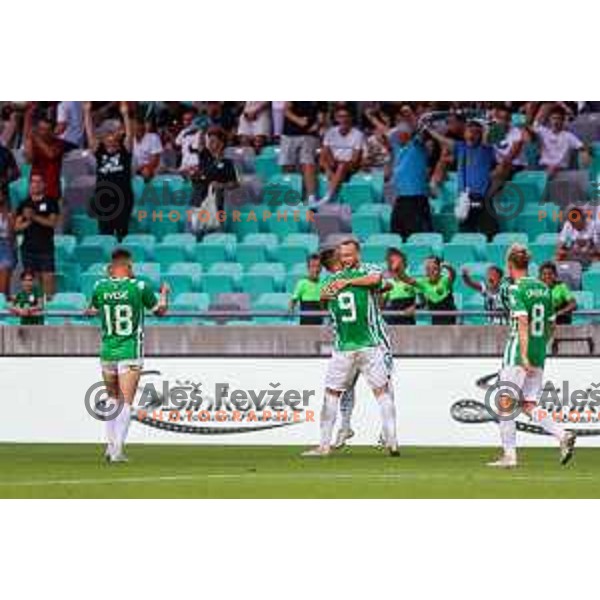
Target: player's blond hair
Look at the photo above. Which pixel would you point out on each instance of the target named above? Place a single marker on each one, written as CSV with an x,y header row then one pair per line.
x,y
518,256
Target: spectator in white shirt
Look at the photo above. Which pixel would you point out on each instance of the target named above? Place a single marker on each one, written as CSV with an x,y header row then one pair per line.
x,y
147,150
188,142
556,143
341,152
69,124
578,239
255,124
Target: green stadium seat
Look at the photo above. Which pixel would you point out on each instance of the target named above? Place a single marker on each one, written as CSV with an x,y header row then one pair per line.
x,y
66,302
221,278
366,224
528,222
309,240
245,226
374,252
272,302
355,193
65,245
290,254
282,190
476,239
266,165
435,240
94,249
263,278
82,225
585,301
531,186
292,220
375,180
275,270
149,272
168,253
139,252
383,210
590,282
147,240
417,253
511,238
18,191
497,249
542,251
294,273
188,302
68,277
216,247
166,220
256,247
445,223
457,253
546,238
183,277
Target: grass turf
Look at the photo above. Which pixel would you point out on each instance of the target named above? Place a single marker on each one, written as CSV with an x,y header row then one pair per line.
x,y
77,471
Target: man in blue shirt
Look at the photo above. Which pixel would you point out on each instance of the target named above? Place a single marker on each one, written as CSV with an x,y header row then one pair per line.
x,y
475,162
410,177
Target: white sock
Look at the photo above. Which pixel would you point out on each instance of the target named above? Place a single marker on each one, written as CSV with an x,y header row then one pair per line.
x,y
122,425
388,418
311,198
346,408
328,416
110,428
547,423
508,435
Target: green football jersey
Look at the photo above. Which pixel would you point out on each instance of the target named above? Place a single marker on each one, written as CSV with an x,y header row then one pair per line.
x,y
121,303
532,298
24,299
357,320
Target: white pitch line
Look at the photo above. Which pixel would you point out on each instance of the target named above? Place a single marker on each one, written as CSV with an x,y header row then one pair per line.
x,y
385,477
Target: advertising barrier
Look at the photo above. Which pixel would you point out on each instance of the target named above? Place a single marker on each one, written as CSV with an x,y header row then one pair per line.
x,y
246,401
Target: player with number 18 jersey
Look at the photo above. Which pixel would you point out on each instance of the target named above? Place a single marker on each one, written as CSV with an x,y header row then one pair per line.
x,y
121,303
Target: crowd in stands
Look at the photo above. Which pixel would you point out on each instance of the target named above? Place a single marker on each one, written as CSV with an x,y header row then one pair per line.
x,y
417,147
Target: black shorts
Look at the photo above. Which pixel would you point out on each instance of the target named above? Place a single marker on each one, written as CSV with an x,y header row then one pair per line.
x,y
38,262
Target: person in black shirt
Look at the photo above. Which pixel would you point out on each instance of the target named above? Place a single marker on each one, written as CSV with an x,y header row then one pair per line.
x,y
37,217
300,142
112,202
213,169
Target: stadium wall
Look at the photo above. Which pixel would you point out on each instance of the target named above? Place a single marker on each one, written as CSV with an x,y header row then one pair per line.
x,y
48,399
281,341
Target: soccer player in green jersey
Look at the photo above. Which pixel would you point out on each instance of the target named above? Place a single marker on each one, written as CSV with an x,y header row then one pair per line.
x,y
359,346
121,300
531,328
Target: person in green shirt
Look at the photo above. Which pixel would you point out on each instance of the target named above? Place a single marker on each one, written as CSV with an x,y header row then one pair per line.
x,y
521,378
400,295
307,292
28,303
563,300
360,344
436,288
121,300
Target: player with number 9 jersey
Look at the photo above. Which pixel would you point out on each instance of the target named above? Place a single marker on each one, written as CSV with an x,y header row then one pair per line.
x,y
121,304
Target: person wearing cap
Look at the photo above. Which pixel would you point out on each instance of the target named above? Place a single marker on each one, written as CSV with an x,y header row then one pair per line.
x,y
475,162
410,176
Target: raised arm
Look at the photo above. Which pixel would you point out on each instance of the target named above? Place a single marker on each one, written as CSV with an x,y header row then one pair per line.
x,y
444,141
450,270
128,141
470,282
88,123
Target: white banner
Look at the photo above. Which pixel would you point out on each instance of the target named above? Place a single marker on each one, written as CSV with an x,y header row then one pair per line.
x,y
268,401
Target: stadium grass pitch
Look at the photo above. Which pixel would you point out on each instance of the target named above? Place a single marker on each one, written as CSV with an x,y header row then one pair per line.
x,y
178,471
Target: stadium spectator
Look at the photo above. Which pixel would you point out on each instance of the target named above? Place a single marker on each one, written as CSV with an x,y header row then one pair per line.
x,y
556,143
563,300
255,124
7,243
37,218
307,292
475,162
300,142
28,302
214,174
491,290
69,124
9,171
277,117
340,153
455,130
44,151
188,142
436,289
578,239
400,296
410,175
112,202
147,149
